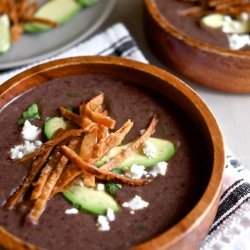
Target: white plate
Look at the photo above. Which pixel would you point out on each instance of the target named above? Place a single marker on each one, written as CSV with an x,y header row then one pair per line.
x,y
35,47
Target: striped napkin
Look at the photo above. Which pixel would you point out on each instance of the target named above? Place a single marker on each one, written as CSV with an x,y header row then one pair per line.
x,y
231,228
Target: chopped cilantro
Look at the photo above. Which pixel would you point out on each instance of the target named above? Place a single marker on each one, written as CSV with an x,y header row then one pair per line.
x,y
72,94
112,187
69,108
117,171
31,113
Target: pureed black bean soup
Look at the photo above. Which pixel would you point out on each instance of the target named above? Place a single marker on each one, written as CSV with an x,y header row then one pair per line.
x,y
170,197
190,25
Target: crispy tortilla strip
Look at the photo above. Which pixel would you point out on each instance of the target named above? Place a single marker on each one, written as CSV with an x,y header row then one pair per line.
x,y
112,164
70,173
100,173
86,151
9,241
82,109
51,143
37,165
102,133
93,109
35,168
111,141
39,20
77,119
88,125
44,175
40,203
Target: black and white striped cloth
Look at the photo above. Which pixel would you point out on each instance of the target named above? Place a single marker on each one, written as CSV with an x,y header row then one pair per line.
x,y
231,228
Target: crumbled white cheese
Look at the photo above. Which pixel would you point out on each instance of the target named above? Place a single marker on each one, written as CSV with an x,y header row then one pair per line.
x,y
136,203
103,221
71,211
159,168
236,31
237,42
100,187
149,149
110,214
30,132
136,171
18,151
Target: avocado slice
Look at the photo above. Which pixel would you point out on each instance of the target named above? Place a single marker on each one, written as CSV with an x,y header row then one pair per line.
x,y
5,41
165,150
52,125
59,11
90,200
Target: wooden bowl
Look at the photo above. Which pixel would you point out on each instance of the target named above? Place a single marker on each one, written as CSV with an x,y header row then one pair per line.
x,y
201,62
191,230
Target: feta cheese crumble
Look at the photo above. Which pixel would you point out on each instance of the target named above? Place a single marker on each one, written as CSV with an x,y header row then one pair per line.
x,y
19,151
30,132
100,187
103,221
237,42
110,214
149,149
159,168
136,171
135,204
71,211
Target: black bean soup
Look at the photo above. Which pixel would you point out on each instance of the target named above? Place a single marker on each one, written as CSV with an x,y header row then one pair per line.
x,y
170,197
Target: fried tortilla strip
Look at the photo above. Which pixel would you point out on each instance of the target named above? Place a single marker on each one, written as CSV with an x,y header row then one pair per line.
x,y
51,143
86,151
111,141
40,203
35,168
88,125
102,133
70,173
82,109
92,110
9,241
37,165
39,20
44,175
77,119
112,164
100,173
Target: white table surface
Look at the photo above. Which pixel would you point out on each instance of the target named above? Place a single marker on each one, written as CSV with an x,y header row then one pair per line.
x,y
231,111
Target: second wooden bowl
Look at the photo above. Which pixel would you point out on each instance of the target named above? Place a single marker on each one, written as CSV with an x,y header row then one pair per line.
x,y
203,63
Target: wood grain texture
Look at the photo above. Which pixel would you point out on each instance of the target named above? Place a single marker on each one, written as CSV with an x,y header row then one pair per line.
x,y
189,232
203,63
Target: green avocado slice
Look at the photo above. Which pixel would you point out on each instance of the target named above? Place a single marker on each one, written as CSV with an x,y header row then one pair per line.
x,y
59,11
164,151
90,200
52,125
